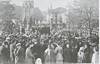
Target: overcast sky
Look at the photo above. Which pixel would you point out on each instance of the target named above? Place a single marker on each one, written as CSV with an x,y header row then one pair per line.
x,y
44,4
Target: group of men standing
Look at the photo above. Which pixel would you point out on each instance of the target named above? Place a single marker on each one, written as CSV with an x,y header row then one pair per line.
x,y
47,51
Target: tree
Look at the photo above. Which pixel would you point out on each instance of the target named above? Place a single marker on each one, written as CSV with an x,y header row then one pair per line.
x,y
7,10
7,14
86,14
90,14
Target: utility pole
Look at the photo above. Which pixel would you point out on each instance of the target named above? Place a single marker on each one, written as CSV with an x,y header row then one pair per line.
x,y
89,20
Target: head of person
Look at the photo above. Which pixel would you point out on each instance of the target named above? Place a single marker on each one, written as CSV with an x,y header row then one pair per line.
x,y
96,49
52,46
67,45
8,39
35,42
38,61
81,49
18,45
5,44
31,45
50,41
85,46
49,46
42,42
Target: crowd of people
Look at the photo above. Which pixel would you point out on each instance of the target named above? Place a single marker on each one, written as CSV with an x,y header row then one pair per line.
x,y
38,49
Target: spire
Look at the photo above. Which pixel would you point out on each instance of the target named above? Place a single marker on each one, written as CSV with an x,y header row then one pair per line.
x,y
50,7
50,4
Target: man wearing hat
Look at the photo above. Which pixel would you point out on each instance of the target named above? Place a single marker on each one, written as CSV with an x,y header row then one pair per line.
x,y
5,53
8,40
29,57
81,55
19,51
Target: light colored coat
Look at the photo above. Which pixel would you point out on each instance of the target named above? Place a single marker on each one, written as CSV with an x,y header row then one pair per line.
x,y
38,61
59,57
81,55
47,56
95,58
29,56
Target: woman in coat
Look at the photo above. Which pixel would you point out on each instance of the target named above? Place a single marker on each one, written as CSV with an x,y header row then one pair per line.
x,y
47,55
81,55
59,52
18,52
50,57
67,54
29,56
5,53
95,57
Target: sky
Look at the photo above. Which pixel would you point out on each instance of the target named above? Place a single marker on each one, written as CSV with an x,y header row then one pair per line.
x,y
45,4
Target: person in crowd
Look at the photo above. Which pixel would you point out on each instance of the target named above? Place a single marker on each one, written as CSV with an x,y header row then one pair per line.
x,y
5,53
47,55
74,54
59,52
43,48
67,54
12,47
88,53
1,47
81,55
50,49
30,58
95,57
8,39
36,50
50,56
38,61
18,53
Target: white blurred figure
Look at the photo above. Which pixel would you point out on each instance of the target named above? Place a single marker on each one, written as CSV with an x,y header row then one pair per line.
x,y
1,47
95,57
50,57
12,47
29,56
81,55
59,52
47,55
16,53
38,61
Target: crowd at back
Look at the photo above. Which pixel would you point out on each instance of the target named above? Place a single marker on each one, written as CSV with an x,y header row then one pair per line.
x,y
35,50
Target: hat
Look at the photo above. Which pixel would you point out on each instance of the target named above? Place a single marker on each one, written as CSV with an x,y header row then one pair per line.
x,y
34,40
7,38
5,43
81,48
19,44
